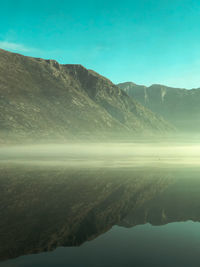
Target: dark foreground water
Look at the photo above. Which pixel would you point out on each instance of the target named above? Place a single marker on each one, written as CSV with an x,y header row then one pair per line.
x,y
105,217
174,244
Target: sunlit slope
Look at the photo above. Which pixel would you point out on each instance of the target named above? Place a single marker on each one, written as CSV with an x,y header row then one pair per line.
x,y
43,99
181,107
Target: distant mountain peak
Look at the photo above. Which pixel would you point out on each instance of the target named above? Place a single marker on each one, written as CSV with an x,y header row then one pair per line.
x,y
179,106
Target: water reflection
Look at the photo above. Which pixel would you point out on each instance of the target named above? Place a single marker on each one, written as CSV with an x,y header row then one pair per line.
x,y
43,209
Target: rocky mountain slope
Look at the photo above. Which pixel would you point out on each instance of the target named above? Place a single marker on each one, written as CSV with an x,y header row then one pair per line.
x,y
181,107
42,99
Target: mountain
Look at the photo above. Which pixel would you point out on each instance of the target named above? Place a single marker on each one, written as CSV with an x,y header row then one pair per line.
x,y
181,107
42,99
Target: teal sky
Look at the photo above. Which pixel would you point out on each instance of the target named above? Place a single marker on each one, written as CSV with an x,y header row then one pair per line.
x,y
144,41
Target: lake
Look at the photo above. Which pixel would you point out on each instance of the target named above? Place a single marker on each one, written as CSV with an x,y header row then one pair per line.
x,y
71,207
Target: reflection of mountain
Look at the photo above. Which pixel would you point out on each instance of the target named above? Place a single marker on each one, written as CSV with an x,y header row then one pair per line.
x,y
47,100
44,209
179,202
179,106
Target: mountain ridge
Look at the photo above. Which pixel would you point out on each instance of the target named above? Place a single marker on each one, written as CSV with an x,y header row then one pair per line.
x,y
156,84
42,99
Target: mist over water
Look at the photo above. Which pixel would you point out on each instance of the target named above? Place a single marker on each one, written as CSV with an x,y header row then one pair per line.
x,y
128,154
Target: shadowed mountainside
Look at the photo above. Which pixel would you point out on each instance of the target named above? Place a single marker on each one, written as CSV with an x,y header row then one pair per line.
x,y
42,99
179,106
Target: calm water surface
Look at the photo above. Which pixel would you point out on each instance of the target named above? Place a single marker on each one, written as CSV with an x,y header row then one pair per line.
x,y
104,215
175,244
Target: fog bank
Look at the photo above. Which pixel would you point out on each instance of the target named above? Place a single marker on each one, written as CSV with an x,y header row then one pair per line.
x,y
103,154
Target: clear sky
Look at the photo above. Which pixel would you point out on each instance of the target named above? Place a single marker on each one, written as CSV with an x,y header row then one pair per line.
x,y
144,41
